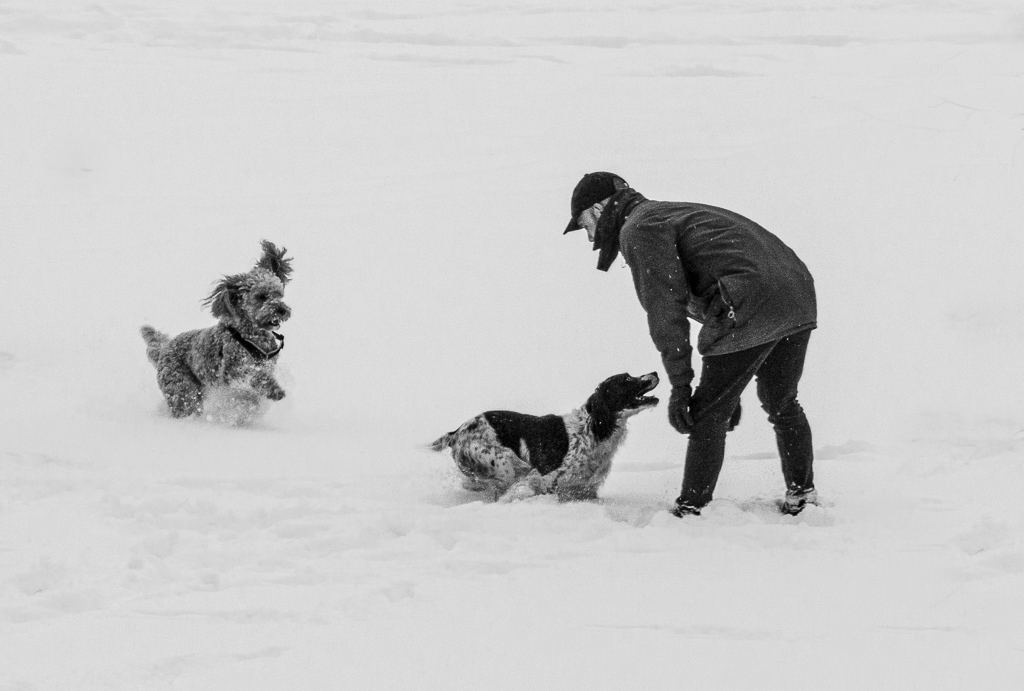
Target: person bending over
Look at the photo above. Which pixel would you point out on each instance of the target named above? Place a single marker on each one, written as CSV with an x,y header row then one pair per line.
x,y
755,302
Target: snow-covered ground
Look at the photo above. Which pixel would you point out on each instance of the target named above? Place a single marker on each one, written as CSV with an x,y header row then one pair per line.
x,y
417,158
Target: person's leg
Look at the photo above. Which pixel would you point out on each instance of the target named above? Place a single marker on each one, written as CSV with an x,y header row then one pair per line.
x,y
777,381
722,380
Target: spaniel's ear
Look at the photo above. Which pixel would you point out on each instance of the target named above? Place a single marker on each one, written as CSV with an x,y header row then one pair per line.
x,y
222,300
273,260
602,419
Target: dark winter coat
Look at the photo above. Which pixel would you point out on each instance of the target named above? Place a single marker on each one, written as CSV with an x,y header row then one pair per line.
x,y
742,284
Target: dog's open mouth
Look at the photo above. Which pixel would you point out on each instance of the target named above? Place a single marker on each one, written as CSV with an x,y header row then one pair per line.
x,y
642,400
645,401
272,324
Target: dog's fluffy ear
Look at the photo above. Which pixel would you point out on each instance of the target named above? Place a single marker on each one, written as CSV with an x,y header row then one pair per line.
x,y
273,260
222,300
602,419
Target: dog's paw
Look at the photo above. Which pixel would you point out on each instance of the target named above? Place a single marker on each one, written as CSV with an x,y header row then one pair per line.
x,y
517,492
529,486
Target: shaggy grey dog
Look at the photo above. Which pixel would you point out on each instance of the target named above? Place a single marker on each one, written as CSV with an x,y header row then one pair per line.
x,y
236,357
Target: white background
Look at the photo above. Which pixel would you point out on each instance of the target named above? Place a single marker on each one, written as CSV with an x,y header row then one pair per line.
x,y
417,159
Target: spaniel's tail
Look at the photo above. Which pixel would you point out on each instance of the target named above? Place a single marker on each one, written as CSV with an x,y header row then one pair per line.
x,y
155,342
442,443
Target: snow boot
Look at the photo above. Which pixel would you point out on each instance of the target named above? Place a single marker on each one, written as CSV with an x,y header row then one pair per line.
x,y
797,499
684,509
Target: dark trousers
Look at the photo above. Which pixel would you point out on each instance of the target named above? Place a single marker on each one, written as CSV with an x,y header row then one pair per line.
x,y
777,367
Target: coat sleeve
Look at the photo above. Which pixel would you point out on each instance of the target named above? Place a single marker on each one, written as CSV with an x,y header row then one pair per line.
x,y
661,285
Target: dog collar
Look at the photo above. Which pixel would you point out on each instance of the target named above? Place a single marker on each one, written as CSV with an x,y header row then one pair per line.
x,y
254,349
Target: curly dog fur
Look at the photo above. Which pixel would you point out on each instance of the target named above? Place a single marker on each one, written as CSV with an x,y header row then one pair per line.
x,y
238,353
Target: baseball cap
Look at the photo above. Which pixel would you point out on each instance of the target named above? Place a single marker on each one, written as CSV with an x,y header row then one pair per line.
x,y
592,188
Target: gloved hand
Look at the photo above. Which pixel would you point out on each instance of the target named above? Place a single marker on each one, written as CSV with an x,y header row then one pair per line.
x,y
679,409
736,415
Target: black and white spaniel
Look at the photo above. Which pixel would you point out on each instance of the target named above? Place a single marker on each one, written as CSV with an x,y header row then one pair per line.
x,y
517,455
